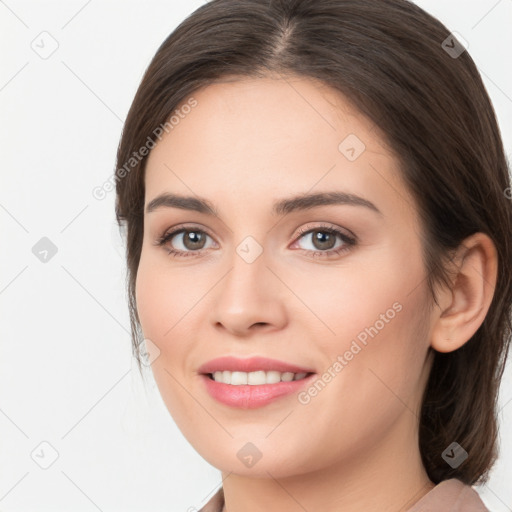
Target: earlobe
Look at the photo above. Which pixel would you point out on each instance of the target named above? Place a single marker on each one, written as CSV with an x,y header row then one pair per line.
x,y
463,307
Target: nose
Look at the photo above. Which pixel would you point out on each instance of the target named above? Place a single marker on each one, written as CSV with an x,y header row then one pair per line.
x,y
249,298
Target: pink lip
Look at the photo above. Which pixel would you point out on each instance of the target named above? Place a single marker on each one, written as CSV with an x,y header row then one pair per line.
x,y
251,364
249,396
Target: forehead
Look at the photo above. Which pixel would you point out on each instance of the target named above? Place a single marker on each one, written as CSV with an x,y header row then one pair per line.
x,y
272,111
269,136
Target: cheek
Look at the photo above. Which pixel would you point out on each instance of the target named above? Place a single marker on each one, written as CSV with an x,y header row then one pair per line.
x,y
163,297
378,378
378,289
170,306
376,315
149,292
160,307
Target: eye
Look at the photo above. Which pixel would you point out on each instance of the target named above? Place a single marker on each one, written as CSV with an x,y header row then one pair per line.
x,y
321,241
184,241
325,240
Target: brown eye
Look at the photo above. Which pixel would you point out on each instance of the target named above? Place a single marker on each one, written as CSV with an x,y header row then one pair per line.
x,y
323,240
184,242
194,240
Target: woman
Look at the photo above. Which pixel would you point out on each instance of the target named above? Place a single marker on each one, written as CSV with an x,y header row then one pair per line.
x,y
318,250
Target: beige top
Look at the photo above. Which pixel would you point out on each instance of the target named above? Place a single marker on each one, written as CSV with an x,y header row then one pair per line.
x,y
447,496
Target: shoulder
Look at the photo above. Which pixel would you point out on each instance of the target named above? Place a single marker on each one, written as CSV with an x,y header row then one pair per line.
x,y
451,495
216,503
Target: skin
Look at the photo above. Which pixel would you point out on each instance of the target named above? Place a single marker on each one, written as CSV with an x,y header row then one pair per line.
x,y
354,446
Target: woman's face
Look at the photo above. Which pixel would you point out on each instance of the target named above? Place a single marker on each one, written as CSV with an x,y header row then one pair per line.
x,y
256,280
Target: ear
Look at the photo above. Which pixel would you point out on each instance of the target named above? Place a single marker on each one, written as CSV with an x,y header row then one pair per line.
x,y
463,307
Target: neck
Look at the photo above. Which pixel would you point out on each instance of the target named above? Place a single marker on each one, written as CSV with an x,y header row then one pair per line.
x,y
389,477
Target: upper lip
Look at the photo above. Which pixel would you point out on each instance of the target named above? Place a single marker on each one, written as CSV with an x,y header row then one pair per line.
x,y
251,364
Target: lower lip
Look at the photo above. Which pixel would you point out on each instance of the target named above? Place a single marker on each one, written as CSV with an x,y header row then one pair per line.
x,y
251,397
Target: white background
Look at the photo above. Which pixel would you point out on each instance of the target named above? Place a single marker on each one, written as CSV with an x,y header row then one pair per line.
x,y
66,372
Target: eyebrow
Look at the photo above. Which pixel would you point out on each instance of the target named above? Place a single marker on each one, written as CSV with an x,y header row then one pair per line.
x,y
280,207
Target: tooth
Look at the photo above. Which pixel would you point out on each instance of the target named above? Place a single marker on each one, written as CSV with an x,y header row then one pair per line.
x,y
256,378
238,378
273,377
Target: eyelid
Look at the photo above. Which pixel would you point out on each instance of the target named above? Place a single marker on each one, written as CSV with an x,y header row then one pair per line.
x,y
327,226
348,237
174,230
298,233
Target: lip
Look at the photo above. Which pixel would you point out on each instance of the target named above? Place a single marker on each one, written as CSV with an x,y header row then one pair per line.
x,y
251,364
251,396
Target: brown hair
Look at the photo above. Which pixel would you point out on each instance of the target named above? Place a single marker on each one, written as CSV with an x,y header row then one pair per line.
x,y
388,58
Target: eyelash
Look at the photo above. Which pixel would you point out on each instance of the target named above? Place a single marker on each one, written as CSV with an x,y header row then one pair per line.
x,y
348,241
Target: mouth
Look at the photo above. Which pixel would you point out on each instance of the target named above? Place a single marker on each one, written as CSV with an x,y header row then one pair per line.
x,y
254,382
256,378
253,365
263,389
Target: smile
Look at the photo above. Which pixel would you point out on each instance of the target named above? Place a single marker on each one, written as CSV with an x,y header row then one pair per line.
x,y
256,378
